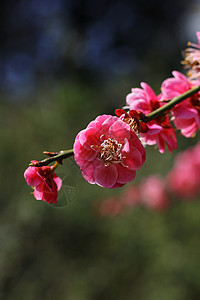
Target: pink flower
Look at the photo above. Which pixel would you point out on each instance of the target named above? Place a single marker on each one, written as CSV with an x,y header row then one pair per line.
x,y
153,193
160,130
187,113
108,152
45,182
192,59
184,178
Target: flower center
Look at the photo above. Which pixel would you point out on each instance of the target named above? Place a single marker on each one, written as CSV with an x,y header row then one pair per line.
x,y
111,151
192,61
132,123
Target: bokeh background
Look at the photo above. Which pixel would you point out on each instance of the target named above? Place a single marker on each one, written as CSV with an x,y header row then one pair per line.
x,y
62,63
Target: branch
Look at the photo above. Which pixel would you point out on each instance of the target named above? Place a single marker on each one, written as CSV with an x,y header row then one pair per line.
x,y
160,111
56,156
59,156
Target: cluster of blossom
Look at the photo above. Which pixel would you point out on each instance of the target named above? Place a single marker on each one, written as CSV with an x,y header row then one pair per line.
x,y
111,148
156,193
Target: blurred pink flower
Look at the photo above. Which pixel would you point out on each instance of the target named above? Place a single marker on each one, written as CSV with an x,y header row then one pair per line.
x,y
153,193
108,152
45,182
115,206
184,178
111,207
192,59
160,130
131,196
187,113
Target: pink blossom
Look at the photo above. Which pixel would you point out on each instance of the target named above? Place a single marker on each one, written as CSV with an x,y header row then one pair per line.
x,y
45,182
108,152
187,113
184,178
192,59
160,130
153,193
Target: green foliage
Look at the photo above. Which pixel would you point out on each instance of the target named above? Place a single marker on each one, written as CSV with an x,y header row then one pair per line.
x,y
71,252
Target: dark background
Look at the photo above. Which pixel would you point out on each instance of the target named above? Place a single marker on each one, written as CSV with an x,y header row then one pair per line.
x,y
62,63
99,41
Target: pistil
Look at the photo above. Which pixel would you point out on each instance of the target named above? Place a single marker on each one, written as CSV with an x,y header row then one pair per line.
x,y
111,151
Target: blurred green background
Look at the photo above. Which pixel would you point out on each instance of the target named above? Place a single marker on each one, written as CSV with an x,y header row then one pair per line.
x,y
68,251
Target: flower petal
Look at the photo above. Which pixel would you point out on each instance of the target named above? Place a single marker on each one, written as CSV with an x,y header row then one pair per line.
x,y
132,159
151,96
184,112
50,192
89,136
161,144
154,129
97,123
38,192
86,154
58,181
125,174
32,177
106,176
88,170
